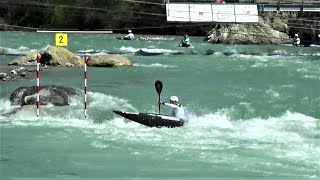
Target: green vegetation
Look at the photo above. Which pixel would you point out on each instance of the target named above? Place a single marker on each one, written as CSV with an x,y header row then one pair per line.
x,y
116,15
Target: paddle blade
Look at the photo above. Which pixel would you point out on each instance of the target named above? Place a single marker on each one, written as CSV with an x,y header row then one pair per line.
x,y
158,86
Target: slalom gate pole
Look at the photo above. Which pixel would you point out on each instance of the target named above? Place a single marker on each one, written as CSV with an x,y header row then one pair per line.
x,y
85,85
38,83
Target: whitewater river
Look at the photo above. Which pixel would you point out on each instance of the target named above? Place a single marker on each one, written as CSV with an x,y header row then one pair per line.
x,y
253,112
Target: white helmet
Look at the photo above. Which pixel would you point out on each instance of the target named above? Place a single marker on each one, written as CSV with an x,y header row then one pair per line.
x,y
129,31
296,35
174,99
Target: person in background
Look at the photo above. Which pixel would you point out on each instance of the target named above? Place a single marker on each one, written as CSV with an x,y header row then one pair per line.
x,y
176,109
211,38
130,36
296,40
185,41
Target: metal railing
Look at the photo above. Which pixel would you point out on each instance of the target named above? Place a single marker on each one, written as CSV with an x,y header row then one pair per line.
x,y
309,2
270,5
289,5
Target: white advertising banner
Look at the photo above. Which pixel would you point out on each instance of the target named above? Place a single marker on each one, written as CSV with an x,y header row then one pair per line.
x,y
177,12
200,13
223,13
227,13
246,13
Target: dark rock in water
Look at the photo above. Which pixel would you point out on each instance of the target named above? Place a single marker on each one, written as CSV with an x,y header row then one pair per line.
x,y
145,53
209,52
50,94
3,76
109,61
16,73
229,53
23,74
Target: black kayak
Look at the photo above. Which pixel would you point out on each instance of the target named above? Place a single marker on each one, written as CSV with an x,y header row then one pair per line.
x,y
145,53
127,39
152,120
184,45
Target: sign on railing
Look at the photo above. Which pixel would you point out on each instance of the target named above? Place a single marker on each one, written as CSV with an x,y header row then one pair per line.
x,y
200,12
223,13
178,12
244,13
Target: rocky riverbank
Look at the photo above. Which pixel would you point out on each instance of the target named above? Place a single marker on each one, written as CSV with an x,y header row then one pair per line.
x,y
273,28
25,65
17,73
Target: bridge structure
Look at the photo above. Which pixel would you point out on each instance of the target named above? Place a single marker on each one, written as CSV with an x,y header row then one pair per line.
x,y
285,5
234,11
247,12
271,5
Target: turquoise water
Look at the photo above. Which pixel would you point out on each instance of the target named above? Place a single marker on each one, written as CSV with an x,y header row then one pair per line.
x,y
253,112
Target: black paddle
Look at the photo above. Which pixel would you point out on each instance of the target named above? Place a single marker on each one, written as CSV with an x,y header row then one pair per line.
x,y
158,86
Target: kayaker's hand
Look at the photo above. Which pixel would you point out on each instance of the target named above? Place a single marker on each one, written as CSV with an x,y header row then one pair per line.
x,y
160,102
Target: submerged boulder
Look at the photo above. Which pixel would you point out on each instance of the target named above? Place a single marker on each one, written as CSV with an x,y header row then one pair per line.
x,y
27,59
50,94
109,61
59,56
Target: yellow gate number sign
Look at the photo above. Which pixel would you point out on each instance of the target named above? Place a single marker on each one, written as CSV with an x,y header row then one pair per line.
x,y
61,39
